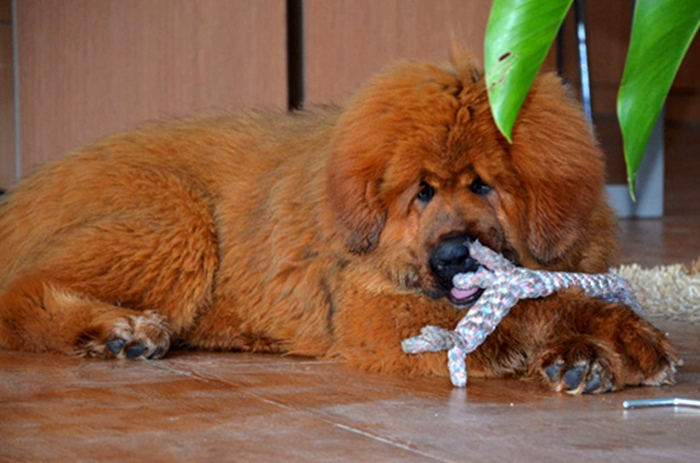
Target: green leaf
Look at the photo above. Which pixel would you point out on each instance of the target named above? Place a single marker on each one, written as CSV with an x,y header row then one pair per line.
x,y
662,31
519,35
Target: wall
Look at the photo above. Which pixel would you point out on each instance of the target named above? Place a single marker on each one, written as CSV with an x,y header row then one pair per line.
x,y
88,68
7,122
608,27
348,41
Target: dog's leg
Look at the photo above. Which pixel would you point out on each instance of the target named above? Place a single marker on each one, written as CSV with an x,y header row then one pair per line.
x,y
37,314
117,285
577,344
369,328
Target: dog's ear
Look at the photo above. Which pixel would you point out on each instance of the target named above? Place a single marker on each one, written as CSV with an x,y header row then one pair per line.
x,y
562,169
555,222
354,175
410,101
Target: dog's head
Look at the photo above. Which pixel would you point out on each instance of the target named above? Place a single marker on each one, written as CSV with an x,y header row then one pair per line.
x,y
418,170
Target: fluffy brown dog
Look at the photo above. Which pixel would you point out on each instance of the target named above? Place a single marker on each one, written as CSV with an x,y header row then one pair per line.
x,y
332,234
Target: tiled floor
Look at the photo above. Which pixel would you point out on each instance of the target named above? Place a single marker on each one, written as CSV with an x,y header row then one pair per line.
x,y
234,407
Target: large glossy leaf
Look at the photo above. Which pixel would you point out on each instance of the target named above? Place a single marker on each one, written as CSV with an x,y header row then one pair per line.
x,y
662,31
519,35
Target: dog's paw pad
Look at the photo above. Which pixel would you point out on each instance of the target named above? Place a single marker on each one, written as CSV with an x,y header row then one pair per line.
x,y
132,336
593,384
573,376
115,346
119,348
582,377
134,351
552,372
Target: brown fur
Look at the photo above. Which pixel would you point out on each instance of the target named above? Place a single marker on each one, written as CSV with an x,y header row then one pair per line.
x,y
302,234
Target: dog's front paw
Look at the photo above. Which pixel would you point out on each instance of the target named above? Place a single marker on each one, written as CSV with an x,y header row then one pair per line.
x,y
132,336
587,364
579,366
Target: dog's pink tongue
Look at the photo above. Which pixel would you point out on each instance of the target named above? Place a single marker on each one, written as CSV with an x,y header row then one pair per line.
x,y
459,294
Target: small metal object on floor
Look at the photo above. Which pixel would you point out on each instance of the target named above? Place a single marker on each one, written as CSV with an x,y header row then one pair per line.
x,y
661,402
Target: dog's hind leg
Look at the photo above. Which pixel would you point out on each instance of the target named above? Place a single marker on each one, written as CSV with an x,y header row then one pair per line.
x,y
37,314
119,284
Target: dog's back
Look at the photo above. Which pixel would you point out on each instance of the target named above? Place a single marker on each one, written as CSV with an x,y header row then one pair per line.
x,y
137,219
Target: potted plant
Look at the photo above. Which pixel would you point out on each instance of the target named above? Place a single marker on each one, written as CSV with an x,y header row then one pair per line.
x,y
520,33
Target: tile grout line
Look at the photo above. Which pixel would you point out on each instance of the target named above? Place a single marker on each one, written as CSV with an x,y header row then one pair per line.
x,y
307,413
388,441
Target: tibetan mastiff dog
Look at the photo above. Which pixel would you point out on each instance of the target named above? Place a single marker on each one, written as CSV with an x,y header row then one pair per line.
x,y
332,233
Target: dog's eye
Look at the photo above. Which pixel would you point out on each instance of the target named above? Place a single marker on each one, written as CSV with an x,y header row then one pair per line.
x,y
426,193
479,187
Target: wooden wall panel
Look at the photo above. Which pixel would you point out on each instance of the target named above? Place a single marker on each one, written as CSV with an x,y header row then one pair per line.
x,y
5,11
684,100
348,41
608,27
689,74
89,68
607,36
7,120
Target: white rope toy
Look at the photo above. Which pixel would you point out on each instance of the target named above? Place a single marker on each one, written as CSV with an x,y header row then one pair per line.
x,y
504,285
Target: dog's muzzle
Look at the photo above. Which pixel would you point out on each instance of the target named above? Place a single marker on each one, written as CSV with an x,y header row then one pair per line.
x,y
449,258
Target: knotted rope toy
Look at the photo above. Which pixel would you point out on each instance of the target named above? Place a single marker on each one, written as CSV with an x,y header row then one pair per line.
x,y
504,285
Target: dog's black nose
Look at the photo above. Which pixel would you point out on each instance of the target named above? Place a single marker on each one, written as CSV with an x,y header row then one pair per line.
x,y
451,257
